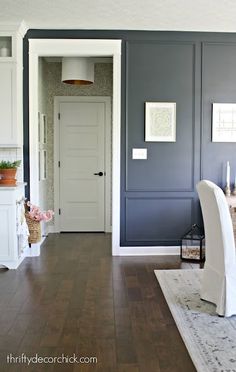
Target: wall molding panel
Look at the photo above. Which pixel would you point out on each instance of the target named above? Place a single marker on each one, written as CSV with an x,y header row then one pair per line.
x,y
156,95
157,220
158,198
219,86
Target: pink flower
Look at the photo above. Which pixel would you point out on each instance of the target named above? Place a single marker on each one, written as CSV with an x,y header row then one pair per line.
x,y
36,214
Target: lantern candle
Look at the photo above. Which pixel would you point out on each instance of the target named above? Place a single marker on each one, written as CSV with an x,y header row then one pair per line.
x,y
234,190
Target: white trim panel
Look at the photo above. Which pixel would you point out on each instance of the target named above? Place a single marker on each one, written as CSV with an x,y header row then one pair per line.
x,y
75,47
150,251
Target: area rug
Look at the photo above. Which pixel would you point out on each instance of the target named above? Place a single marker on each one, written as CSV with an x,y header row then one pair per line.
x,y
210,340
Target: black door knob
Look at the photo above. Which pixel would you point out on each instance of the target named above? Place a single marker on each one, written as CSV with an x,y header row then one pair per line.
x,y
100,174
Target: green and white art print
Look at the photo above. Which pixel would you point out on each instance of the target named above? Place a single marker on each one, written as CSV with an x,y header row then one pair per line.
x,y
160,121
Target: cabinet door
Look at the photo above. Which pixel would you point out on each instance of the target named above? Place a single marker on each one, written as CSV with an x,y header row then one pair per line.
x,y
6,233
7,104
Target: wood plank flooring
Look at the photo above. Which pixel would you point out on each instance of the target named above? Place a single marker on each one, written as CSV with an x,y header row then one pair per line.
x,y
77,298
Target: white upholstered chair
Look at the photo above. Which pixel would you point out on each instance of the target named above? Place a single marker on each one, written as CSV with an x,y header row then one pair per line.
x,y
219,276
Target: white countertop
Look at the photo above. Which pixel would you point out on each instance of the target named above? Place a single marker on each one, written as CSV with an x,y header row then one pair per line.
x,y
17,186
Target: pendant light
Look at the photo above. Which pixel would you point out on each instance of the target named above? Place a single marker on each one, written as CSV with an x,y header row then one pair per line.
x,y
77,71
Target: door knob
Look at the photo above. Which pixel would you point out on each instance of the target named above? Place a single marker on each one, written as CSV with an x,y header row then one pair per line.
x,y
100,174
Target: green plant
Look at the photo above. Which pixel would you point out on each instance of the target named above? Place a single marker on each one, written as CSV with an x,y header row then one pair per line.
x,y
9,164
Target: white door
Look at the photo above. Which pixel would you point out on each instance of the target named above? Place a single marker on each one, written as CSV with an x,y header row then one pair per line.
x,y
82,166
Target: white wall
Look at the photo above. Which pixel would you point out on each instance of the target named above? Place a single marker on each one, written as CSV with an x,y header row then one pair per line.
x,y
42,105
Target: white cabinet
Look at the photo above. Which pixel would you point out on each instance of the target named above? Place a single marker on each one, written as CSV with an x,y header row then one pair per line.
x,y
7,104
7,241
11,78
10,254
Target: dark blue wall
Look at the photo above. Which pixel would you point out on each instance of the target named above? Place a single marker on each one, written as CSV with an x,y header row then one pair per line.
x,y
218,85
158,196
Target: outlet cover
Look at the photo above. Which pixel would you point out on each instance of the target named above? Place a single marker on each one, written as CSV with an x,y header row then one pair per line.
x,y
139,154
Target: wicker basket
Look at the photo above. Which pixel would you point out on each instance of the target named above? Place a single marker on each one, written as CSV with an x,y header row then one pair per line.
x,y
34,229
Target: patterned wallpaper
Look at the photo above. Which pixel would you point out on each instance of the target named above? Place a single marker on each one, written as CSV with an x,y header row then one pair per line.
x,y
54,87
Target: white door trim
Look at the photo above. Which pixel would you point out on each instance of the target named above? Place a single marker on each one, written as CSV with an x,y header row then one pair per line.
x,y
107,102
75,47
94,48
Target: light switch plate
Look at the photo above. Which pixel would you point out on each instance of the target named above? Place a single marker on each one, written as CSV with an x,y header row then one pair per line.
x,y
139,154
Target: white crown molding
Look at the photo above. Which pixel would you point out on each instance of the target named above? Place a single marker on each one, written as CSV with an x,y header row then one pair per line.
x,y
23,28
20,27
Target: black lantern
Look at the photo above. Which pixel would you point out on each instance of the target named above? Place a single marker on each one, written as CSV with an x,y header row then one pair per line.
x,y
193,245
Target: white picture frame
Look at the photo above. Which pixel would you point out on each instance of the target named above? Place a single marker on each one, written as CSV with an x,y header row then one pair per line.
x,y
43,165
43,129
160,121
39,127
224,122
39,165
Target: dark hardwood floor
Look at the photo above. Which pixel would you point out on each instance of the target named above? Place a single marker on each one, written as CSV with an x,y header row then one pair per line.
x,y
77,298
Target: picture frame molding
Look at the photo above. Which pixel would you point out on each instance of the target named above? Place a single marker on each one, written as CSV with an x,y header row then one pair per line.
x,y
39,127
43,164
43,129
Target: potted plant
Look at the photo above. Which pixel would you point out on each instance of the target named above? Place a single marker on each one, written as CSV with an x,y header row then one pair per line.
x,y
8,172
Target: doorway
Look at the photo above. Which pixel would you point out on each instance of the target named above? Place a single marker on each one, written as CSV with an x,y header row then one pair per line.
x,y
86,48
82,163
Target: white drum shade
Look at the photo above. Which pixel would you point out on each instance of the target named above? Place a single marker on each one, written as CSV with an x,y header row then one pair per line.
x,y
77,70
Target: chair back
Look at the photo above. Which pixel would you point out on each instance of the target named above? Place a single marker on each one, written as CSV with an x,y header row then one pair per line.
x,y
219,236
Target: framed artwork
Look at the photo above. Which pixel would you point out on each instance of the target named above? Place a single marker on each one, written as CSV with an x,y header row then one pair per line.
x,y
160,121
39,165
43,128
224,122
39,127
43,162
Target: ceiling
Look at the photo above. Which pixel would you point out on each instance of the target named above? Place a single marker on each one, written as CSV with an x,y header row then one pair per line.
x,y
182,15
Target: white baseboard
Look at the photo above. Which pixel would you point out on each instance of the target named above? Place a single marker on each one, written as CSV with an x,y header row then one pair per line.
x,y
51,229
34,250
148,251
